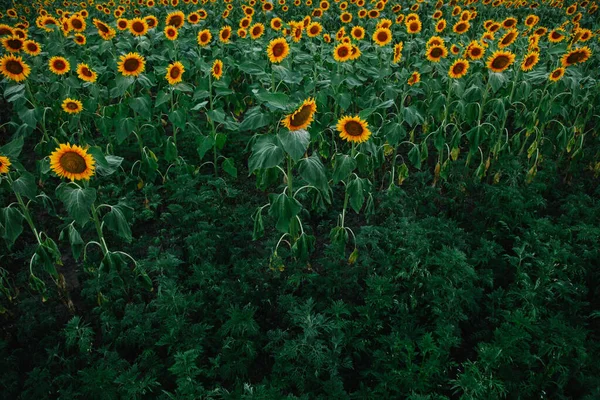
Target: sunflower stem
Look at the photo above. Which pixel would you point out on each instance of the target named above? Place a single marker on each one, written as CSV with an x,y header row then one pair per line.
x,y
212,125
99,229
289,176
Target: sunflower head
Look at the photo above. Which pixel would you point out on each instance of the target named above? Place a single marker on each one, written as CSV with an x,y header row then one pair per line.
x,y
353,129
500,61
461,27
217,69
13,44
458,69
32,48
257,30
225,34
72,106
174,73
314,29
436,53
530,60
414,78
278,50
475,51
576,56
204,37
80,39
557,74
4,164
72,162
382,36
302,117
138,27
175,19
508,38
59,65
342,52
398,52
414,26
85,73
131,64
171,32
358,32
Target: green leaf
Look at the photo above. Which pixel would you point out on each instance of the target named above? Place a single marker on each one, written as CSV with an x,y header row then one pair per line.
x,y
344,165
170,149
259,227
28,116
217,115
49,256
274,100
178,118
357,189
312,170
266,153
229,167
25,185
294,143
205,144
254,119
105,165
116,221
76,242
12,224
284,208
161,98
13,148
77,201
124,127
414,155
303,246
122,83
141,105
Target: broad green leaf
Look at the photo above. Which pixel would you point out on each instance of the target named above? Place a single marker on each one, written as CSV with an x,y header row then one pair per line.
x,y
312,170
178,118
77,201
414,155
25,185
254,119
11,224
274,100
284,208
116,221
124,127
205,143
76,242
357,189
294,143
13,148
105,165
344,165
266,153
229,167
259,227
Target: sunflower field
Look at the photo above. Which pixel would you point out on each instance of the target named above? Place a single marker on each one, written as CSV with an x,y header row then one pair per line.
x,y
300,199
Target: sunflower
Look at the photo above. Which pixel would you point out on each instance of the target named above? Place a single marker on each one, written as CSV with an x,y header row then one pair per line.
x,y
80,39
4,164
440,26
193,18
557,74
435,41
461,27
314,29
72,162
494,27
437,14
85,73
509,23
175,19
475,51
302,117
72,106
174,73
342,52
508,38
327,38
541,31
278,50
217,69
555,36
276,24
356,53
6,30
14,44
131,64
225,34
414,27
14,68
584,35
384,23
242,33
353,129
382,36
458,69
576,56
105,31
138,27
530,60
122,24
358,32
398,52
436,53
346,17
59,65
152,21
414,78
171,32
257,30
204,37
531,20
32,48
500,61
77,23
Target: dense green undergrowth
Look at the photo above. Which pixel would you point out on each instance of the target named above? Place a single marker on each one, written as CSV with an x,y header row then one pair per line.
x,y
468,289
